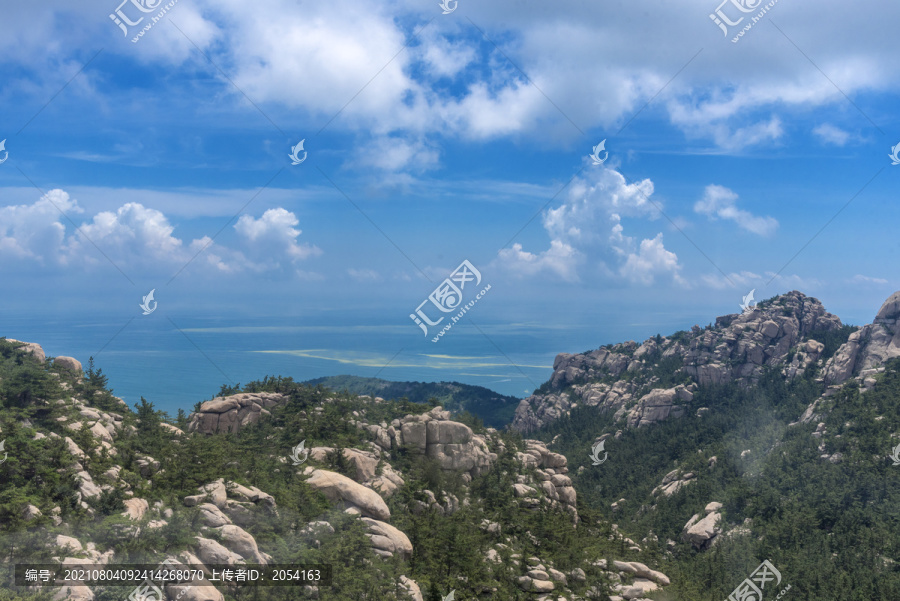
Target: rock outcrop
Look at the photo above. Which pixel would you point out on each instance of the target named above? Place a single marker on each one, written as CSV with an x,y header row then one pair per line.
x,y
701,531
69,363
388,540
862,356
869,347
550,471
738,348
341,489
231,413
674,481
30,347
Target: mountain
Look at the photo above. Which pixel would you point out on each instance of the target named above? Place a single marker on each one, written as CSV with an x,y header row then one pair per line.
x,y
652,381
494,409
760,454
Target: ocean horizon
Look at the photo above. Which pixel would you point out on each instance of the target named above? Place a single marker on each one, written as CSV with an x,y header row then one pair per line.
x,y
174,364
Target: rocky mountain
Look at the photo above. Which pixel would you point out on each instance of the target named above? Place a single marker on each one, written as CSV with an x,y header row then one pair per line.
x,y
763,442
402,502
647,383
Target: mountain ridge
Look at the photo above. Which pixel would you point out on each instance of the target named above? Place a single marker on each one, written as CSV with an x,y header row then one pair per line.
x,y
644,383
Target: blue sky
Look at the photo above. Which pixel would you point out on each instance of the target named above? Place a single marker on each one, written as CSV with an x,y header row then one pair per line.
x,y
432,139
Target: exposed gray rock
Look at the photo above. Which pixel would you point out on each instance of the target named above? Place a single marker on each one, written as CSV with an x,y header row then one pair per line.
x,y
868,347
212,516
231,413
341,489
388,539
699,532
135,508
241,542
738,348
212,552
412,587
31,347
655,406
69,363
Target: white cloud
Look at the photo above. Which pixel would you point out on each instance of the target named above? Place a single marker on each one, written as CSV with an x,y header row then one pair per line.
x,y
138,237
37,231
273,236
829,134
560,259
719,202
395,153
866,280
745,280
587,226
652,260
312,58
364,275
133,231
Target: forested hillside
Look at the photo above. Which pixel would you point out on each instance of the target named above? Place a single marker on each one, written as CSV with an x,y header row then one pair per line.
x,y
673,469
494,409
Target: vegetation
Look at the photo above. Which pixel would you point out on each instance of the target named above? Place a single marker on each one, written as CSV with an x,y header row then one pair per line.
x,y
494,409
823,509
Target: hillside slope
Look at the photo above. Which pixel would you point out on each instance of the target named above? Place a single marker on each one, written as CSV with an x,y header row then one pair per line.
x,y
761,443
494,409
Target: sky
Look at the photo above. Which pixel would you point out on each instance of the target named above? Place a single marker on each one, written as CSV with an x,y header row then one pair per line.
x,y
151,146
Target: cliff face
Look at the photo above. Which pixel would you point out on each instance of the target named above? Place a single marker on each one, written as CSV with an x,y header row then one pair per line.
x,y
644,383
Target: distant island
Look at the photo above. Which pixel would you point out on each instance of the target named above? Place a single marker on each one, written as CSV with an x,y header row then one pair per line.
x,y
494,409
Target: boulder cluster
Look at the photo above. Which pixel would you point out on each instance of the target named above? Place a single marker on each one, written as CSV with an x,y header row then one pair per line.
x,y
231,413
452,444
550,470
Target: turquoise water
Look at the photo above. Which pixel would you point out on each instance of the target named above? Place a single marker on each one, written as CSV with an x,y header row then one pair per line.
x,y
176,363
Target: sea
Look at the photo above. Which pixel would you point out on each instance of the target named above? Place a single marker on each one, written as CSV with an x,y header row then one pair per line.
x,y
176,362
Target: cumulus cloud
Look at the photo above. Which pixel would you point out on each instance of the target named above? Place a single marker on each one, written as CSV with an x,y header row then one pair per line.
x,y
719,202
139,237
588,226
651,260
560,259
37,231
273,236
133,231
